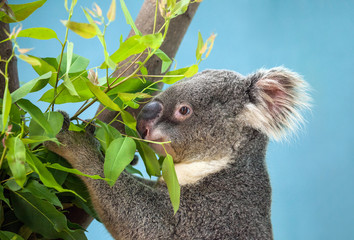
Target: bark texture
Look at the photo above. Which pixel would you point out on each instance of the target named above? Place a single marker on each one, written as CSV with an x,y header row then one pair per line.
x,y
5,53
175,34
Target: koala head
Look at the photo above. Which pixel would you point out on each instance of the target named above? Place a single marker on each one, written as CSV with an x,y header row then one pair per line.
x,y
212,113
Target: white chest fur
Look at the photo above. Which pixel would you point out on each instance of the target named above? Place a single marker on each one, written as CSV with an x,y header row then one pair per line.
x,y
192,171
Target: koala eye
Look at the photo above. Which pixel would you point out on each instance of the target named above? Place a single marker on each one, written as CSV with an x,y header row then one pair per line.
x,y
184,110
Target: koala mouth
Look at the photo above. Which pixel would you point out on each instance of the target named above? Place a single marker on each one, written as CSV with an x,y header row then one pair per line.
x,y
156,135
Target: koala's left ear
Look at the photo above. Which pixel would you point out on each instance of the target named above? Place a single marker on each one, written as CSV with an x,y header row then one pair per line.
x,y
276,96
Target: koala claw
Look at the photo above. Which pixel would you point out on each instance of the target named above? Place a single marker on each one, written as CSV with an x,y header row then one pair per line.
x,y
66,122
90,128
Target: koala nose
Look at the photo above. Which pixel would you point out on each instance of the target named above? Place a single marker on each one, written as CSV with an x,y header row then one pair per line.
x,y
147,118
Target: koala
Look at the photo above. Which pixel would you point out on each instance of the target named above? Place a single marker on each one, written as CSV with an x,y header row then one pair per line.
x,y
218,123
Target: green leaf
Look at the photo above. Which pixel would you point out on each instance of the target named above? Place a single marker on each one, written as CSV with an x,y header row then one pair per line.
x,y
30,60
128,119
42,192
170,177
21,11
180,74
3,198
44,175
106,134
16,157
147,154
69,56
102,97
153,41
65,97
72,170
129,18
129,47
119,154
166,61
38,33
70,86
36,115
42,217
6,106
85,30
180,8
198,54
75,128
133,170
78,64
6,235
31,86
39,139
44,68
55,121
191,71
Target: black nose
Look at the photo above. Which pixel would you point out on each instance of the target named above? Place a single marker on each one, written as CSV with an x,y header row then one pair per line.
x,y
150,111
147,117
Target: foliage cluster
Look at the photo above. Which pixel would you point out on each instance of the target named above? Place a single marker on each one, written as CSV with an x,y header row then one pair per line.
x,y
37,186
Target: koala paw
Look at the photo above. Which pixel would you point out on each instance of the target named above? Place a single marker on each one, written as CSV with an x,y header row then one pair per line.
x,y
73,143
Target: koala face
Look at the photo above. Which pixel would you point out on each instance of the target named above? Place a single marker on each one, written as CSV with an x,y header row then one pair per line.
x,y
208,115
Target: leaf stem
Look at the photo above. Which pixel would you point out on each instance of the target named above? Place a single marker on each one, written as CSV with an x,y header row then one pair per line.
x,y
3,156
155,17
60,60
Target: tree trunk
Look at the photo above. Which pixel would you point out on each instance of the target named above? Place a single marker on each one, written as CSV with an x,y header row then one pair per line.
x,y
5,53
145,23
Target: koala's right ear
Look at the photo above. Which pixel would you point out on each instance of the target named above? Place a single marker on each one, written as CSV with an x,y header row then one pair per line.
x,y
276,96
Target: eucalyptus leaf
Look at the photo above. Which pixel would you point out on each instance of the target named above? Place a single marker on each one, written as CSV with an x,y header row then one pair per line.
x,y
44,175
42,217
30,60
81,88
119,154
72,170
128,119
6,106
3,198
166,61
75,128
102,97
198,54
111,14
40,33
180,74
170,177
85,30
6,235
55,120
42,192
133,170
45,67
16,158
31,86
106,134
147,154
38,139
21,11
78,64
129,18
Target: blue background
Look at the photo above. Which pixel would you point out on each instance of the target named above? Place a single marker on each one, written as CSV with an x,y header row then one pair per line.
x,y
312,175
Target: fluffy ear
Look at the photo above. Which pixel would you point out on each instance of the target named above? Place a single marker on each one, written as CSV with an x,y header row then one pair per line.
x,y
276,96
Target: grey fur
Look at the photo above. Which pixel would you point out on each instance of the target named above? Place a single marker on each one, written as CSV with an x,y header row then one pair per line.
x,y
231,203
